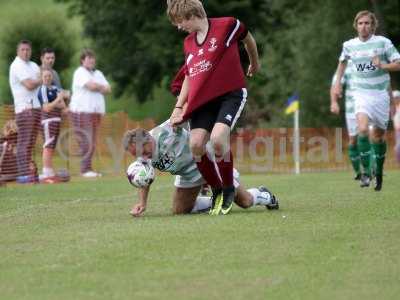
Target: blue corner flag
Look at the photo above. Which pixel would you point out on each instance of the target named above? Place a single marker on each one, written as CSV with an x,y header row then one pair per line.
x,y
292,104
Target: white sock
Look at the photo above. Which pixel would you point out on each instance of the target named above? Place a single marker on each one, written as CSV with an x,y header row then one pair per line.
x,y
260,198
48,172
201,204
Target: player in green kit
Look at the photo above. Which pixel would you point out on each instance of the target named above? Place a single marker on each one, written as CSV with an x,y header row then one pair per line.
x,y
373,57
169,151
351,121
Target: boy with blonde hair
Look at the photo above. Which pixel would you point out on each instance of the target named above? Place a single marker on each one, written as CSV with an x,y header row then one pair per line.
x,y
214,91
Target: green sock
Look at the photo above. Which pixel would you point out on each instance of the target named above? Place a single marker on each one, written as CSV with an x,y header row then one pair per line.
x,y
379,151
364,148
354,158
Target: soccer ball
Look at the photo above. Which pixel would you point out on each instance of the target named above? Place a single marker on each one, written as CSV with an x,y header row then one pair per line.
x,y
140,173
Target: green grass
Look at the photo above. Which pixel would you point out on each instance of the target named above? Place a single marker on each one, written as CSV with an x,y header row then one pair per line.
x,y
330,240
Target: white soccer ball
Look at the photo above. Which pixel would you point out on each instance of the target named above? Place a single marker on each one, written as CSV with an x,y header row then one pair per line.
x,y
140,173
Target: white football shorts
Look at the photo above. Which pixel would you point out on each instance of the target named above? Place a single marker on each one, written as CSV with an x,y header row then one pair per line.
x,y
351,123
186,183
376,105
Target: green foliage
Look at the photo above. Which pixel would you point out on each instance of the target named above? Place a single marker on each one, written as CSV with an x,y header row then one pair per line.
x,y
301,54
138,45
299,43
45,28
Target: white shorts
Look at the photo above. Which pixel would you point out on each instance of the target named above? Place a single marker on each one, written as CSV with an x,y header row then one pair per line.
x,y
376,105
186,183
351,123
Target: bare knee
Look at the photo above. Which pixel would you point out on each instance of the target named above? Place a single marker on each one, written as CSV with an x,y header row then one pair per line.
x,y
352,140
197,147
220,146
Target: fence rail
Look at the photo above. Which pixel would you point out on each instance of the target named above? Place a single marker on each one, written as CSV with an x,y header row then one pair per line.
x,y
262,150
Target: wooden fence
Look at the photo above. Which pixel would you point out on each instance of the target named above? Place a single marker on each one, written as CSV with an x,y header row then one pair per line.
x,y
262,150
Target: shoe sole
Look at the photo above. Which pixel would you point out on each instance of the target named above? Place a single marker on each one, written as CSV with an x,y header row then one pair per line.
x,y
228,210
217,206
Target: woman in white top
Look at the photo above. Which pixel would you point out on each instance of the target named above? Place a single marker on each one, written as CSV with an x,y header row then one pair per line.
x,y
87,107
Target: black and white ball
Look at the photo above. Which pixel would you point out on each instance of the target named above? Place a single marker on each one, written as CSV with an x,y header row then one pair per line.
x,y
140,173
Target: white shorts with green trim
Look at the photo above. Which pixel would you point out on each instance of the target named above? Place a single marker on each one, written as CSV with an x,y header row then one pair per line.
x,y
376,105
351,124
186,183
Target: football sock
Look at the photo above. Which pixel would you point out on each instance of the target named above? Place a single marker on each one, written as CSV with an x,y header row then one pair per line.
x,y
354,158
364,148
202,203
48,172
260,198
225,167
379,151
209,171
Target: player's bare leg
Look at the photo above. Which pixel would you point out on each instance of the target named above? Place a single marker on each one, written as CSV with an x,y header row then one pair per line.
x,y
255,196
184,199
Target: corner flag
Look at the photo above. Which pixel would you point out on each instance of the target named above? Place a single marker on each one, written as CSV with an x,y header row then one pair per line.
x,y
293,107
292,104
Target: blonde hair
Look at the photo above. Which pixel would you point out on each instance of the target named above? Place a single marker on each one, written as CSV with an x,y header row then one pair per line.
x,y
10,127
179,10
363,13
137,137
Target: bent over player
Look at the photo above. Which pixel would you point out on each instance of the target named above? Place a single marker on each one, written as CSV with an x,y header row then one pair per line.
x,y
168,149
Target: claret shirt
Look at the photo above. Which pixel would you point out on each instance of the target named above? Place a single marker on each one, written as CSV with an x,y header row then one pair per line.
x,y
213,67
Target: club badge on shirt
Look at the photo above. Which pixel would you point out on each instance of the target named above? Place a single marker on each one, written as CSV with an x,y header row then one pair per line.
x,y
213,44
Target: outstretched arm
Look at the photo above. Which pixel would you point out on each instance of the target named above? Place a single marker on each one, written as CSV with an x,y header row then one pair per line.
x,y
177,114
251,48
139,208
337,88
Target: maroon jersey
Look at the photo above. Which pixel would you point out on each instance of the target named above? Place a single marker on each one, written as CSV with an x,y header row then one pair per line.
x,y
213,67
176,84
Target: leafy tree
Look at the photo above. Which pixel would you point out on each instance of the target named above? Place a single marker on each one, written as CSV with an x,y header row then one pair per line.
x,y
44,29
138,45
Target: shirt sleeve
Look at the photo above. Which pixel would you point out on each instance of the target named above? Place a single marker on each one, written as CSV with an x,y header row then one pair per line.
x,y
391,52
80,78
177,82
237,32
21,72
345,55
101,78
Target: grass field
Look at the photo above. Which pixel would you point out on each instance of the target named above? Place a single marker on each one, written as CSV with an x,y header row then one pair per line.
x,y
330,240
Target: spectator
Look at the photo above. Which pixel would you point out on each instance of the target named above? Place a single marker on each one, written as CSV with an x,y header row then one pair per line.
x,y
52,100
48,58
8,145
24,81
87,107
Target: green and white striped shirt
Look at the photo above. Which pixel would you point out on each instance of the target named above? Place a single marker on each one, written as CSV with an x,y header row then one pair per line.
x,y
348,89
172,152
365,76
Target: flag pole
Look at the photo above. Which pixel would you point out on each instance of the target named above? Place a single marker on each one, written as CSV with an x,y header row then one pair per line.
x,y
296,142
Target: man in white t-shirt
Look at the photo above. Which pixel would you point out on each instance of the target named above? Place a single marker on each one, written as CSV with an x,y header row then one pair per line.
x,y
24,80
87,107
